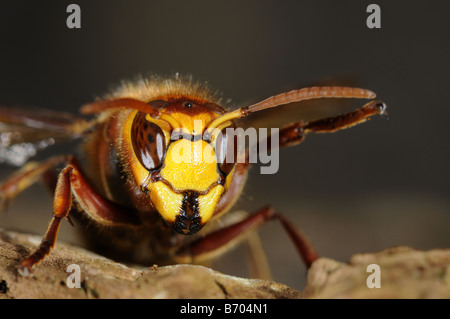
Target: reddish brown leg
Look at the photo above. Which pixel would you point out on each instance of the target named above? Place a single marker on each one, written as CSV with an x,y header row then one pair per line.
x,y
217,242
71,181
294,134
61,208
347,120
27,176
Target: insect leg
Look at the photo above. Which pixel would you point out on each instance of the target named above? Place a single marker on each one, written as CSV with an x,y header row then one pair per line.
x,y
295,133
72,182
61,208
27,176
258,265
336,123
97,207
257,259
217,242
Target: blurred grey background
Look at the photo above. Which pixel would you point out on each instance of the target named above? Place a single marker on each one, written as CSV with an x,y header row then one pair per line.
x,y
381,184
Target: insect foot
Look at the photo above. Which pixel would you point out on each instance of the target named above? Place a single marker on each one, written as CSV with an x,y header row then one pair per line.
x,y
24,271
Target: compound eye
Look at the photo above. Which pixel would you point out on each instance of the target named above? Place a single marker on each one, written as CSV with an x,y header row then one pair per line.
x,y
148,142
226,150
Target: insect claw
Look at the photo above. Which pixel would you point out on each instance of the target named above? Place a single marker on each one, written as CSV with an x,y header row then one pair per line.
x,y
70,221
24,271
382,107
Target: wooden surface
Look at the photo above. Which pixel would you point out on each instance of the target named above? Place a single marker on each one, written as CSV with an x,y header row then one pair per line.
x,y
404,273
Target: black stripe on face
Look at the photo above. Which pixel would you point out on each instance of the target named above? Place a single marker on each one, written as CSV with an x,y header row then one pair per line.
x,y
188,221
177,135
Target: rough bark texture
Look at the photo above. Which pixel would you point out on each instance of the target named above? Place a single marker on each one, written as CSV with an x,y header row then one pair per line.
x,y
405,273
103,278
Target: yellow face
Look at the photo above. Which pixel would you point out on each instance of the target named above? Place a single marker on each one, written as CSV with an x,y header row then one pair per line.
x,y
175,165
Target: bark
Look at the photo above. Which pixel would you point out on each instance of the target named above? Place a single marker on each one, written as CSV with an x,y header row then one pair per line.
x,y
405,273
104,278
